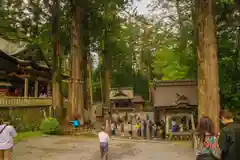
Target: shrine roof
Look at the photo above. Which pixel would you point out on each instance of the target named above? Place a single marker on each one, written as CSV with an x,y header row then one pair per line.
x,y
121,93
177,93
33,53
22,62
138,99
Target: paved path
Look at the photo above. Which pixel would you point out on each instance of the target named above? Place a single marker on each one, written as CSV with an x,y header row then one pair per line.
x,y
79,148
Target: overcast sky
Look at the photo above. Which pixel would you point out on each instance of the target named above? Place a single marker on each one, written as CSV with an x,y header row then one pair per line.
x,y
142,6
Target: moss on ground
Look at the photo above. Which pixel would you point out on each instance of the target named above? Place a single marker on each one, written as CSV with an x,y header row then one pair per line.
x,y
25,135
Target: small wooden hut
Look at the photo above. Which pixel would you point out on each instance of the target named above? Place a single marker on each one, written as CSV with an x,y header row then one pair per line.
x,y
175,101
123,99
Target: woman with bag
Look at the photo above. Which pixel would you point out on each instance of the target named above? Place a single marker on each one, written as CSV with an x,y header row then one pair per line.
x,y
206,147
7,132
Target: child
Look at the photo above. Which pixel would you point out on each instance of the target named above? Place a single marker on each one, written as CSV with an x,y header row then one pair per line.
x,y
138,129
75,123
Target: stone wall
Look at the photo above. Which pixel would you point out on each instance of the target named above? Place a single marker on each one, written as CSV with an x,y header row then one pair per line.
x,y
24,118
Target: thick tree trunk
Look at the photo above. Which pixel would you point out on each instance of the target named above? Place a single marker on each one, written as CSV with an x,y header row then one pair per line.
x,y
70,84
90,110
56,66
107,87
85,80
149,84
107,77
57,100
102,90
208,89
90,83
76,95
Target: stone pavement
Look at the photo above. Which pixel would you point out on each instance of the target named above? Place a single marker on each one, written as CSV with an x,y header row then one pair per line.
x,y
82,148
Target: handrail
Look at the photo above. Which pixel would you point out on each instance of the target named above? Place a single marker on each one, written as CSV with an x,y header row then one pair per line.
x,y
22,101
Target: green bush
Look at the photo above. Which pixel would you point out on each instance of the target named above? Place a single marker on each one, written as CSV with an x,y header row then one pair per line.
x,y
50,126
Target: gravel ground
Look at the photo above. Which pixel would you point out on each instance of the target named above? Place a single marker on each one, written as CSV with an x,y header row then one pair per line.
x,y
79,148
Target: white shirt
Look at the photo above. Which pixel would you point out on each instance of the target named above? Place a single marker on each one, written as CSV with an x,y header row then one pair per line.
x,y
174,123
6,137
103,137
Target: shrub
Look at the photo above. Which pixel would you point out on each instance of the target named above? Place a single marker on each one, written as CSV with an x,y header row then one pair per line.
x,y
50,126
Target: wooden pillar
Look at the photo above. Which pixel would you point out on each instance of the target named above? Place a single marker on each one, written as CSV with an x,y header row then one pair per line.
x,y
167,124
187,121
25,87
36,89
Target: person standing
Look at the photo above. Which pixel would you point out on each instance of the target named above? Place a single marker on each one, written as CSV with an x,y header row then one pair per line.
x,y
113,129
162,128
7,133
138,129
150,128
103,139
144,129
206,144
229,139
174,126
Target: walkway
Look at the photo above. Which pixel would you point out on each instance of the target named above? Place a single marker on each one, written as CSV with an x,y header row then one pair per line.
x,y
79,148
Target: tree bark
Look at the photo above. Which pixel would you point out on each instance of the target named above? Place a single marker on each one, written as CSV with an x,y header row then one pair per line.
x,y
208,88
107,85
70,84
107,76
76,95
56,66
85,79
90,93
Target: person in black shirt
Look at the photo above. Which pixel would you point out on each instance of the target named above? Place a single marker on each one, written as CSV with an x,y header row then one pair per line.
x,y
229,139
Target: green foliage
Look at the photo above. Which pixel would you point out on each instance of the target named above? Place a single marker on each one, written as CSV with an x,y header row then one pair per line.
x,y
166,63
23,123
50,126
136,49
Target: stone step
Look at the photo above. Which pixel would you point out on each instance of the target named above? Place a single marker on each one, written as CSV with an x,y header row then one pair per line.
x,y
82,130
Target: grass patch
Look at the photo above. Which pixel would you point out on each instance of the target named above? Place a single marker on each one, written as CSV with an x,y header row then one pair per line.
x,y
25,135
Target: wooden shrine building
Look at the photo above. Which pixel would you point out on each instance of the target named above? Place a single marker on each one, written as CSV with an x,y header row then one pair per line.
x,y
175,102
123,100
25,78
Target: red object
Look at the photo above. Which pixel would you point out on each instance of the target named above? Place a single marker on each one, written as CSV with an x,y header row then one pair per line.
x,y
4,92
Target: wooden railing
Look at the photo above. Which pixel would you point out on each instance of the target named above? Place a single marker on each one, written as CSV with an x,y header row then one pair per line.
x,y
21,101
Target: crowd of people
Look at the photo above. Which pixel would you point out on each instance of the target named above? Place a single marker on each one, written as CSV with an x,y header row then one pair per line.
x,y
210,144
141,128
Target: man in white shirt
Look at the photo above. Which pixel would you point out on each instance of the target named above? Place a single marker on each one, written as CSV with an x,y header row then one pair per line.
x,y
103,139
7,133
